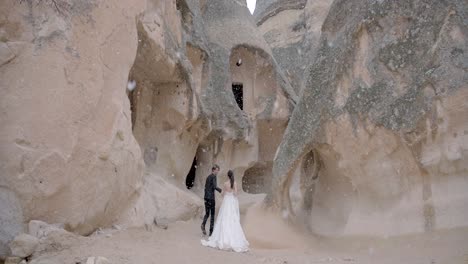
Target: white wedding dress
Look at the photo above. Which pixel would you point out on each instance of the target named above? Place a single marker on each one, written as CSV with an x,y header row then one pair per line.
x,y
227,232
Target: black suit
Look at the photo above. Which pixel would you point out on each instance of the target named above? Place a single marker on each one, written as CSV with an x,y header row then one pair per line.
x,y
210,187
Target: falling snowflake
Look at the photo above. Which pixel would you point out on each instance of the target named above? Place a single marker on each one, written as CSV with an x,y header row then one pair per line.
x,y
131,85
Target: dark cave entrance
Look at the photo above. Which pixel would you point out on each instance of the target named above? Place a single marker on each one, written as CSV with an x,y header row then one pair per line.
x,y
190,179
238,91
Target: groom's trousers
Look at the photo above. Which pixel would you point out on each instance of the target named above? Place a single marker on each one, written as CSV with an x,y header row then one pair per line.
x,y
209,210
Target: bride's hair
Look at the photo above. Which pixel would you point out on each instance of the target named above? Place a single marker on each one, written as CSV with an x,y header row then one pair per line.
x,y
231,178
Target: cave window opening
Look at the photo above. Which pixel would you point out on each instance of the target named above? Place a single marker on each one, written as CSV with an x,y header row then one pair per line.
x,y
132,108
253,185
190,179
238,91
254,180
131,85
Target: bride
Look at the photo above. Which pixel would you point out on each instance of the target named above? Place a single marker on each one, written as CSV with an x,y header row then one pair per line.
x,y
228,233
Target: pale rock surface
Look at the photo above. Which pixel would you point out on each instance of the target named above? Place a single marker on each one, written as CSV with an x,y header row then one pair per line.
x,y
13,260
11,223
377,144
97,260
23,245
162,202
76,141
292,28
66,139
41,229
183,106
52,236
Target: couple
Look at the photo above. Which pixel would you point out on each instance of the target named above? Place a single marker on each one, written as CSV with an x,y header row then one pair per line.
x,y
227,233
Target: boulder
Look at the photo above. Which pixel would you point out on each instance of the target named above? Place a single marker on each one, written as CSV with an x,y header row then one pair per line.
x,y
13,260
97,260
23,245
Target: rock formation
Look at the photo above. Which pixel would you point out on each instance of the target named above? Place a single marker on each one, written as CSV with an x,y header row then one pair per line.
x,y
67,151
105,107
23,245
378,140
292,28
196,66
114,112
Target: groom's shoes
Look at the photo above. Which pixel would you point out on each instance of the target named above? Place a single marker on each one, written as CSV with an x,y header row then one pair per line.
x,y
203,230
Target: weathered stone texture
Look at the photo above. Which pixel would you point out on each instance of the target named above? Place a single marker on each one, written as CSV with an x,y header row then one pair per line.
x,y
384,108
67,151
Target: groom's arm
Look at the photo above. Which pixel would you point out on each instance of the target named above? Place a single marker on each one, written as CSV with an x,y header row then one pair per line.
x,y
216,185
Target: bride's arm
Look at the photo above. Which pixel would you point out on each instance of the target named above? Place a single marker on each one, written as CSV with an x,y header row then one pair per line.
x,y
235,188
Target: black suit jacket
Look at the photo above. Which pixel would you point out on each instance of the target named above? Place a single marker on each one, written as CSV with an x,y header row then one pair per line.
x,y
210,187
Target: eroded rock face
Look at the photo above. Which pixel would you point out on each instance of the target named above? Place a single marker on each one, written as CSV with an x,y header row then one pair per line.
x,y
67,151
23,245
377,142
76,143
190,57
292,28
379,136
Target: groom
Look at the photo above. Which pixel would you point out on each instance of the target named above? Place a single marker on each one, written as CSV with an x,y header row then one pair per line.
x,y
210,187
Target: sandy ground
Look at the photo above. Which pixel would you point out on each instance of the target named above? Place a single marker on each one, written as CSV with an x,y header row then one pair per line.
x,y
180,243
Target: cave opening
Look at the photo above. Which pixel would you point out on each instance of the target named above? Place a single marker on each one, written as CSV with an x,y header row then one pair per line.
x,y
255,179
190,179
131,85
238,91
